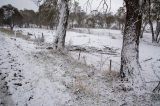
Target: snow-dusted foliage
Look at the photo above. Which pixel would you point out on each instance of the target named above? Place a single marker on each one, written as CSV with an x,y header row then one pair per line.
x,y
59,42
8,14
8,11
11,16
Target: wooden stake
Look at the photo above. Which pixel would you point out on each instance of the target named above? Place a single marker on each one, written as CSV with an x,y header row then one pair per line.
x,y
79,55
110,66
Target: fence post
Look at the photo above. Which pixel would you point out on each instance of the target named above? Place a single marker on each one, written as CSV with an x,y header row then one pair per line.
x,y
15,34
110,66
79,54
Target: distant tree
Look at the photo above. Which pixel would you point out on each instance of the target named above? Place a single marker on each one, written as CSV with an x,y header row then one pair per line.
x,y
29,17
99,19
90,22
156,16
12,16
81,15
76,16
151,14
109,19
48,13
1,16
72,19
144,20
94,19
120,17
150,19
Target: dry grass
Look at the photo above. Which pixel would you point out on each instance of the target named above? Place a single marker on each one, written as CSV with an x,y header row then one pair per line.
x,y
7,31
80,86
11,33
110,75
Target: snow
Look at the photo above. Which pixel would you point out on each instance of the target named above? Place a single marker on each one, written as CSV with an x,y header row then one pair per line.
x,y
23,69
100,38
51,79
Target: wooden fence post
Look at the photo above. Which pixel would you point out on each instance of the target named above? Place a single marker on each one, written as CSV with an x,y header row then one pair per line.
x,y
110,66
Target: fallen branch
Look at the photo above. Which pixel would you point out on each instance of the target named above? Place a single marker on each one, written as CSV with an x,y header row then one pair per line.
x,y
88,49
147,59
157,88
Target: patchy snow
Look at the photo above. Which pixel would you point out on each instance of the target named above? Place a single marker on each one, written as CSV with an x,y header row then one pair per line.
x,y
32,75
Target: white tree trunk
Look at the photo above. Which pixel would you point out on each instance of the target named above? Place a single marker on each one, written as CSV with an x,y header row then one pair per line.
x,y
130,67
59,42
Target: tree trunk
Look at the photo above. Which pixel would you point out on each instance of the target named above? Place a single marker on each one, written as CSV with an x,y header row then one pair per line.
x,y
141,36
151,27
11,27
59,42
119,26
157,30
150,22
130,67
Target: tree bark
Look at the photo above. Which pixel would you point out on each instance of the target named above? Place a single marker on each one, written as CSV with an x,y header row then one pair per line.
x,y
11,26
157,30
59,42
130,67
150,22
151,27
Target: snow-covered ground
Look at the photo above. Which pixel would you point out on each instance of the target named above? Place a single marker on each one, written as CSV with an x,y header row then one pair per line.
x,y
29,81
31,75
107,46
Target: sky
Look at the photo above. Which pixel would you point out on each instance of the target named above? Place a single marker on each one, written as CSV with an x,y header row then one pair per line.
x,y
113,5
29,4
20,4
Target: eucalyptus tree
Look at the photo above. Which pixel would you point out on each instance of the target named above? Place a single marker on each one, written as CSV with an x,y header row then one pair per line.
x,y
1,16
29,17
130,70
59,42
151,14
120,17
109,19
48,13
156,15
12,16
